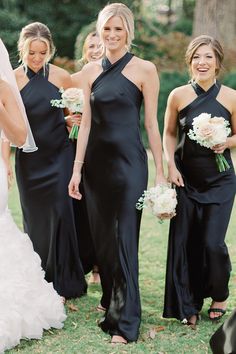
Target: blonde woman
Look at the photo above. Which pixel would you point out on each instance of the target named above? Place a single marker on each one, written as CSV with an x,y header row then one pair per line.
x,y
115,172
43,177
28,304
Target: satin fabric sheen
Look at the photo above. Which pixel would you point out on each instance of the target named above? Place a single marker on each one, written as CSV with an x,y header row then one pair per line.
x,y
43,179
115,176
198,263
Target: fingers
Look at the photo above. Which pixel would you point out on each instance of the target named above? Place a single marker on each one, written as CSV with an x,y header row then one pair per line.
x,y
73,190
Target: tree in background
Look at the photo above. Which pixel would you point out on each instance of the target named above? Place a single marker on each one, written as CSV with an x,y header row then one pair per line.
x,y
216,18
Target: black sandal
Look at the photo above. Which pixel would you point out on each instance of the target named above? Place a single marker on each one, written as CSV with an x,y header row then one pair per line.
x,y
220,311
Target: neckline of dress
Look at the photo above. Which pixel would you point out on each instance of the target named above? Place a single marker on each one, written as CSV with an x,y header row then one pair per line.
x,y
199,88
42,71
106,64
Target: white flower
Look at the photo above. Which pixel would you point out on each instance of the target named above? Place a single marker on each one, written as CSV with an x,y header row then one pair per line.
x,y
161,200
209,132
71,98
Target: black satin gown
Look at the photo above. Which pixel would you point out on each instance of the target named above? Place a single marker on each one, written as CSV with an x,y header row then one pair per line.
x,y
198,263
43,178
115,175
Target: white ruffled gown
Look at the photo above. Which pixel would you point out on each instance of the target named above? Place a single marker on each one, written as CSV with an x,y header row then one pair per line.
x,y
28,304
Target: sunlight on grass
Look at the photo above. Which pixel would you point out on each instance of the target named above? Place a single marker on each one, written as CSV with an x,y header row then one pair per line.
x,y
81,333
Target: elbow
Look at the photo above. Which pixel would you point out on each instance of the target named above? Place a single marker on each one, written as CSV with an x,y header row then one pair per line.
x,y
21,136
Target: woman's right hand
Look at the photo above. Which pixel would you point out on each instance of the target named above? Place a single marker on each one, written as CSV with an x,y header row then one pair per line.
x,y
73,119
73,187
175,177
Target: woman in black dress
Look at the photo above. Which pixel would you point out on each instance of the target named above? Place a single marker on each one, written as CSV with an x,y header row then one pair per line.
x,y
198,264
91,52
115,165
43,176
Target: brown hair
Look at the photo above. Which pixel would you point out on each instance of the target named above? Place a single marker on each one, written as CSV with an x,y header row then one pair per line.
x,y
35,31
205,40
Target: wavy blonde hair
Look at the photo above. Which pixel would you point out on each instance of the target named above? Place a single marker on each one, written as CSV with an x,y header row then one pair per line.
x,y
35,31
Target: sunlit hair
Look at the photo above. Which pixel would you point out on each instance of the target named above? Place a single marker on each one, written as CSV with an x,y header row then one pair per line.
x,y
35,31
205,40
86,44
121,10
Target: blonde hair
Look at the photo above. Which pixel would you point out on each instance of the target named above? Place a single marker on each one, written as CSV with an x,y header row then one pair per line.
x,y
121,10
35,31
86,42
205,40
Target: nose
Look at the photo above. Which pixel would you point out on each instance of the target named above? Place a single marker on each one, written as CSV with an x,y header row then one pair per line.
x,y
202,60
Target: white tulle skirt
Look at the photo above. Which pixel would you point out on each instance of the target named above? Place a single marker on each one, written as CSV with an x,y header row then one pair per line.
x,y
28,304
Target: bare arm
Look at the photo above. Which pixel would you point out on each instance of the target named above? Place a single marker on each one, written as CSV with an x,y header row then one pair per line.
x,y
82,141
231,141
150,90
11,120
6,154
169,139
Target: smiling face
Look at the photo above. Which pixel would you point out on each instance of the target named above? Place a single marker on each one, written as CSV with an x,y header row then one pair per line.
x,y
37,55
93,48
114,34
204,64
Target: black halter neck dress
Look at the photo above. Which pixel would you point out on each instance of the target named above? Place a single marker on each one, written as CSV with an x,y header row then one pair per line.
x,y
115,175
198,264
42,179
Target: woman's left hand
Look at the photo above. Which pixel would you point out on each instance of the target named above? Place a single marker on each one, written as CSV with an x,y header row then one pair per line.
x,y
220,148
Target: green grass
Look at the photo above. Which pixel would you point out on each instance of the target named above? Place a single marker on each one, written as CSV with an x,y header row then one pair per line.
x,y
81,333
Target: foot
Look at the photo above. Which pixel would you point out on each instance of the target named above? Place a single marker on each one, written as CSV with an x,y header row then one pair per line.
x,y
118,340
217,310
95,277
192,321
100,308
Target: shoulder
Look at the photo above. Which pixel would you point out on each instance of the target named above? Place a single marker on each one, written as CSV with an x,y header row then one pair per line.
x,y
60,72
145,65
76,79
228,91
19,72
92,67
180,91
61,76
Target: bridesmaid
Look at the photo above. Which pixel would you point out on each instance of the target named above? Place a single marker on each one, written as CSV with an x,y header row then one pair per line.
x,y
115,165
198,264
91,52
43,177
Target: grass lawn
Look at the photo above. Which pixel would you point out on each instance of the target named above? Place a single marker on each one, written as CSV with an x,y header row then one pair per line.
x,y
157,335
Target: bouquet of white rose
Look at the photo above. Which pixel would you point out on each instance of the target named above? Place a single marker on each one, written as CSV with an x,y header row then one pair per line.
x,y
209,132
161,200
73,99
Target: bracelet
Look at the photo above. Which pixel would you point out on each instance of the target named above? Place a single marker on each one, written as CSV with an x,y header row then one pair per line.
x,y
79,161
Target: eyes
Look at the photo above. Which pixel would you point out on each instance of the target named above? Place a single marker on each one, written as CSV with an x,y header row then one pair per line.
x,y
33,53
208,56
118,29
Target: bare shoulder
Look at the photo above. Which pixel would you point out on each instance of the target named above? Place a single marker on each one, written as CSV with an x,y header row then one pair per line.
x,y
180,91
228,91
76,79
59,76
19,72
145,65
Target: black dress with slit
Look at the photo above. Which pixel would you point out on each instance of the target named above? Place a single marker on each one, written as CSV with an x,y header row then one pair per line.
x,y
115,175
198,264
43,178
